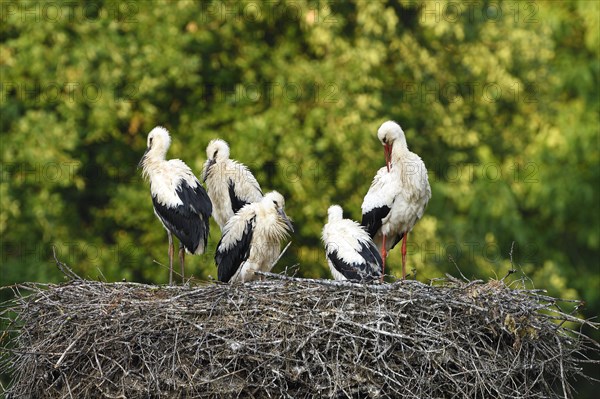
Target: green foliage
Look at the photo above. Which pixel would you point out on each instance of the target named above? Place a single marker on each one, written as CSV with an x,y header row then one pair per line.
x,y
499,98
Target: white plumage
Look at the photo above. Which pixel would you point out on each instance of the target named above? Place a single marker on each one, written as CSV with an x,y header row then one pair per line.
x,y
251,239
398,194
230,184
180,202
351,254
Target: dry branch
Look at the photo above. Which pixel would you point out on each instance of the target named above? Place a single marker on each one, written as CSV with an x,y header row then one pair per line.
x,y
290,337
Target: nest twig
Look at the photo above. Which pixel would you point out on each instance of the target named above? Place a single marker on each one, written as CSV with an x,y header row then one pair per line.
x,y
291,338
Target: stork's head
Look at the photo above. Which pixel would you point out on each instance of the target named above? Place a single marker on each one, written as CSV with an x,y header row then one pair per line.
x,y
276,200
158,144
216,150
335,213
390,133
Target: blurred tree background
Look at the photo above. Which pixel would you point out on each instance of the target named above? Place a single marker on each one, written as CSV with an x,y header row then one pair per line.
x,y
499,98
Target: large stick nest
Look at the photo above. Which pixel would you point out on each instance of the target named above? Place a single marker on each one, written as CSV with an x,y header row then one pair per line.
x,y
290,337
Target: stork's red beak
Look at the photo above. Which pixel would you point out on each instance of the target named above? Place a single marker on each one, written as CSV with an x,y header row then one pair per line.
x,y
388,155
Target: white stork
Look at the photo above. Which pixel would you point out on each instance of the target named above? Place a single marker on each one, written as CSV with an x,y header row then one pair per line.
x,y
350,252
179,200
398,194
230,184
251,239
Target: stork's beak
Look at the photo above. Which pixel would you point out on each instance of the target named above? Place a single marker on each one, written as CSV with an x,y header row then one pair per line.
x,y
387,149
143,156
209,164
285,219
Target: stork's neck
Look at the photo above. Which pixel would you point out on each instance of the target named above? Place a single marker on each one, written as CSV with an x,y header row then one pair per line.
x,y
270,223
152,161
156,154
399,150
334,218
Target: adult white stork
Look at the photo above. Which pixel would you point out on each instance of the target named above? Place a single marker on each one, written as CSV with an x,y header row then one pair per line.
x,y
230,184
351,253
398,194
251,239
180,202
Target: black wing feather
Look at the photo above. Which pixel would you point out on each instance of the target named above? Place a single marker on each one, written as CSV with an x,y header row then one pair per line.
x,y
371,255
229,260
189,222
236,202
397,239
373,219
368,270
197,198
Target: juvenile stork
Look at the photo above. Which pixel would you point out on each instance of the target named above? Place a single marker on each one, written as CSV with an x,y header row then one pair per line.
x,y
230,184
351,254
179,200
251,239
398,194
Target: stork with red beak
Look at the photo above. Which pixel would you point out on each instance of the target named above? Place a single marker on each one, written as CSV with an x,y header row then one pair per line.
x,y
398,194
387,151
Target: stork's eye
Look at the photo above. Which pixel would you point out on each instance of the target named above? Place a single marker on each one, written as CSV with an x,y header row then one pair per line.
x,y
384,140
150,142
215,154
275,202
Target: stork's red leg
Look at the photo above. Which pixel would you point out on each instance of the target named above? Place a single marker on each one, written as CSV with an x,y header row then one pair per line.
x,y
171,250
181,260
383,256
404,256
